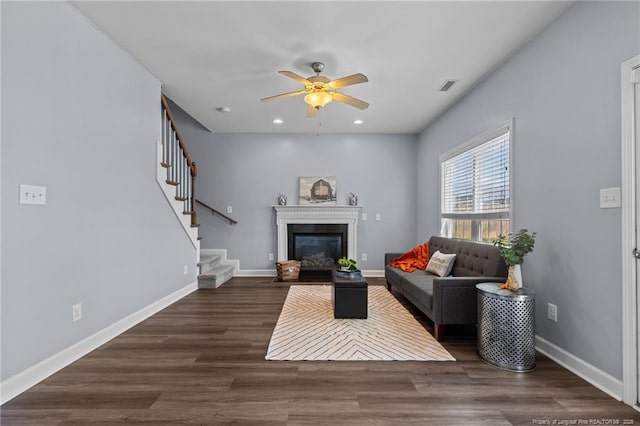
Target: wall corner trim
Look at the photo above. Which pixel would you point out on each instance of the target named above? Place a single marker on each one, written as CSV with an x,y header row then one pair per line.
x,y
15,385
598,378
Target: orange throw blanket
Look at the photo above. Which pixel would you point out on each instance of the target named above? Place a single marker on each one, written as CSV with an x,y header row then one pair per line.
x,y
416,258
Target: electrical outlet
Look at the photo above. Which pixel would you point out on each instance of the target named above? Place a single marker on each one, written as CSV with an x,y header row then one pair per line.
x,y
364,257
364,216
76,311
271,256
229,209
378,217
186,269
552,312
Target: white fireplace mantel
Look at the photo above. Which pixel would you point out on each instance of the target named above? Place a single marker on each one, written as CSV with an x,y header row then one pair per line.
x,y
312,214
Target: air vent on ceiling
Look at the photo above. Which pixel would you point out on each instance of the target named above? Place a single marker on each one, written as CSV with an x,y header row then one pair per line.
x,y
447,85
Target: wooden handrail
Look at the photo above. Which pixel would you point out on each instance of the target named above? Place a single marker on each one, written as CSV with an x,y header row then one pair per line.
x,y
191,164
218,212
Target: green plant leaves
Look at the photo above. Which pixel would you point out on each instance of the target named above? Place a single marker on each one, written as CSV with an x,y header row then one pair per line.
x,y
514,247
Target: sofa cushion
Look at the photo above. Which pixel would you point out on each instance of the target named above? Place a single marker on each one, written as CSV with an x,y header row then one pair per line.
x,y
478,259
420,287
441,263
444,245
396,276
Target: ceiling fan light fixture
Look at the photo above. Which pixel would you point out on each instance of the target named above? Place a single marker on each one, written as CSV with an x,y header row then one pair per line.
x,y
318,99
319,90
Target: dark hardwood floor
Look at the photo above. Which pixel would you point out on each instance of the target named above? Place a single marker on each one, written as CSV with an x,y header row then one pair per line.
x,y
201,361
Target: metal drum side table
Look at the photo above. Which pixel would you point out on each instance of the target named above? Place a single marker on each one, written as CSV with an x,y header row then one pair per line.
x,y
506,327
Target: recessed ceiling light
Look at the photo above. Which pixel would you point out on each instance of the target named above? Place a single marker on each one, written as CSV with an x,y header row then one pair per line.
x,y
278,121
223,109
358,121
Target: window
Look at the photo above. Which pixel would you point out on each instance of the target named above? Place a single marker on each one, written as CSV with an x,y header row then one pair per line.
x,y
476,185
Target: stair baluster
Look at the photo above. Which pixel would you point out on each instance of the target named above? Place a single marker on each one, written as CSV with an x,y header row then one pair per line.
x,y
192,199
181,171
165,160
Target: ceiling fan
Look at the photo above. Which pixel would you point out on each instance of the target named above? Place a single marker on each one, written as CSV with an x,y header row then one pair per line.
x,y
319,91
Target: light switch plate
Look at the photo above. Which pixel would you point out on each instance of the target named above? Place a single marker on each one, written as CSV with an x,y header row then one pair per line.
x,y
609,198
32,194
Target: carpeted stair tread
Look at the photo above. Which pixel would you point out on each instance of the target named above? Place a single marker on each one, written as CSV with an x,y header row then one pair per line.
x,y
218,270
215,276
209,263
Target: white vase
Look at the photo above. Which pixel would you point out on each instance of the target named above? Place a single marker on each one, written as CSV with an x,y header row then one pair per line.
x,y
514,280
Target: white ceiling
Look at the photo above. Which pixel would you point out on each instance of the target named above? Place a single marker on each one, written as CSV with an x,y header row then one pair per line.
x,y
211,54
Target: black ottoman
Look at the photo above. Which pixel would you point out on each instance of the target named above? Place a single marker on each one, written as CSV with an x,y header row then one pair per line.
x,y
349,296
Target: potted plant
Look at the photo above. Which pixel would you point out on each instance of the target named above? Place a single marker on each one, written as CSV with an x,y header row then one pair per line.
x,y
513,248
347,264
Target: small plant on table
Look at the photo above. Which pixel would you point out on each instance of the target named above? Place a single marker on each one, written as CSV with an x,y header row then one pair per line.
x,y
347,264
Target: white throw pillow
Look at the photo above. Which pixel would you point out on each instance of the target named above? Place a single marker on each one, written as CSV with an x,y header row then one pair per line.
x,y
441,264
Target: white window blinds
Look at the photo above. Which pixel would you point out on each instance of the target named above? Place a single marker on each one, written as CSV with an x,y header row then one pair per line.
x,y
475,182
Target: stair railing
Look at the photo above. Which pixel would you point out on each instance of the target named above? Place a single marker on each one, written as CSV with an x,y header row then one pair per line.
x,y
181,170
218,212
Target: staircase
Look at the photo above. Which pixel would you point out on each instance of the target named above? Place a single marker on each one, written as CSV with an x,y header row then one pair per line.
x,y
176,176
213,273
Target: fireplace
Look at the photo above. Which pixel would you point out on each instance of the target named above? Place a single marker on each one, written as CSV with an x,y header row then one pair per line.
x,y
314,226
317,246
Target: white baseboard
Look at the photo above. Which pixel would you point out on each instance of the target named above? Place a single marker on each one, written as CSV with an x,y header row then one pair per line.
x,y
237,272
255,273
15,385
598,378
272,273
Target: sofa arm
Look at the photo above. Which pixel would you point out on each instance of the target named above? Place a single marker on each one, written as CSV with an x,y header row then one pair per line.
x,y
455,299
388,257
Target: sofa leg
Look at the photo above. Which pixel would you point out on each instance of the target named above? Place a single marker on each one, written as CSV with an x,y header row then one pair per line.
x,y
439,332
388,286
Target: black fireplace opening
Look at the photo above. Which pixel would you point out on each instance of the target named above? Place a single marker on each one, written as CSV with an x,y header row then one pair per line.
x,y
317,246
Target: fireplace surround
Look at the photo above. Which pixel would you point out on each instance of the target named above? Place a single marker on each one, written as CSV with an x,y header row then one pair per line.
x,y
317,215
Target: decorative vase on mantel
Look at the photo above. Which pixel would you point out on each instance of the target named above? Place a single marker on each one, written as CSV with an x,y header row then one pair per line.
x,y
514,279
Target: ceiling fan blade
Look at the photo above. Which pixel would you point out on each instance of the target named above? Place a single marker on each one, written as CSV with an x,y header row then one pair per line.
x,y
296,77
311,111
282,96
348,81
350,100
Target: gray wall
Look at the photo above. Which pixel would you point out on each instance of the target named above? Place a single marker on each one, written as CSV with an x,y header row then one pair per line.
x,y
563,89
248,171
80,117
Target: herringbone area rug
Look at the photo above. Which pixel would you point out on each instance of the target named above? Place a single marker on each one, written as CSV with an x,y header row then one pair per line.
x,y
306,330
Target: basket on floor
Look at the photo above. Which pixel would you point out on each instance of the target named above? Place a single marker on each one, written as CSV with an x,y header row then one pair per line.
x,y
288,270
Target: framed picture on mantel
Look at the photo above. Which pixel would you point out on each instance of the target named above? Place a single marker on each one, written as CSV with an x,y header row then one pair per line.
x,y
317,190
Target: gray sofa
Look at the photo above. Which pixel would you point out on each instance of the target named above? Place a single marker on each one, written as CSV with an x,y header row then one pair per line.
x,y
448,300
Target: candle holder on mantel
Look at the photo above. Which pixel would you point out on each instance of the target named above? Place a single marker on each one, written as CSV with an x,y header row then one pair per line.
x,y
282,199
353,199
